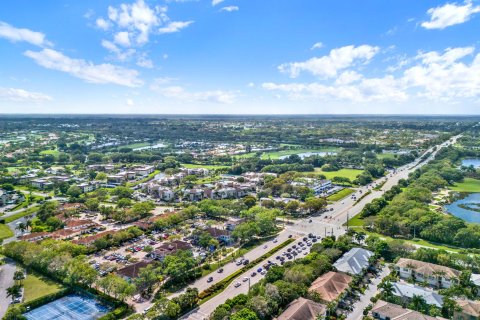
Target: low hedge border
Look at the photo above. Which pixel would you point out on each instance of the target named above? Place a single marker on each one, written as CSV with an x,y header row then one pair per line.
x,y
221,285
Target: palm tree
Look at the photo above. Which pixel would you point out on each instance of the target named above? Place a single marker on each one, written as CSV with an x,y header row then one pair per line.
x,y
13,292
21,227
387,288
360,236
18,276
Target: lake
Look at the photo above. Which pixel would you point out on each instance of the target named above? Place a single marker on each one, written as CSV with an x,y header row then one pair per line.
x,y
473,201
475,162
308,154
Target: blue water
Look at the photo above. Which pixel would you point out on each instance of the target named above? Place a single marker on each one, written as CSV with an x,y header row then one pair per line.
x,y
71,307
471,162
308,154
467,215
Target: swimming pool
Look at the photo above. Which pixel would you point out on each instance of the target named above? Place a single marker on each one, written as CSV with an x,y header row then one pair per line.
x,y
71,307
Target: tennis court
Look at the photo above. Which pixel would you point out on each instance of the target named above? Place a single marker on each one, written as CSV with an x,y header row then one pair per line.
x,y
71,307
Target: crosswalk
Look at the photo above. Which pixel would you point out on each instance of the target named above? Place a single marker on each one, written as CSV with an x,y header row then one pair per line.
x,y
196,315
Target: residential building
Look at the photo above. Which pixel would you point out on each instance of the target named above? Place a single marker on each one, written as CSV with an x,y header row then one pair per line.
x,y
303,309
407,291
130,272
433,274
354,262
470,310
221,235
331,285
388,311
35,236
169,248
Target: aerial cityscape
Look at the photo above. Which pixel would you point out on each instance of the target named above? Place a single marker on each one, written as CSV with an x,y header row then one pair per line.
x,y
239,160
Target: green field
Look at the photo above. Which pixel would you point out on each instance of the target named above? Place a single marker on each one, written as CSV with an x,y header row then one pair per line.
x,y
340,194
278,154
19,215
385,156
5,232
468,185
346,173
52,152
36,287
206,166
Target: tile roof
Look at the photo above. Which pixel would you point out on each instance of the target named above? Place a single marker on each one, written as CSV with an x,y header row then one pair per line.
x,y
331,285
302,309
469,307
426,268
396,312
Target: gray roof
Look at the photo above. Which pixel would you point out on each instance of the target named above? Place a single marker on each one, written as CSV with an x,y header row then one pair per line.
x,y
409,290
354,261
475,278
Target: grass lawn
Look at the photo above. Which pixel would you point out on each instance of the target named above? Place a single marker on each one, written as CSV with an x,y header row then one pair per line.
x,y
357,224
278,154
136,145
340,194
385,156
20,214
5,232
37,286
468,185
346,173
206,166
52,152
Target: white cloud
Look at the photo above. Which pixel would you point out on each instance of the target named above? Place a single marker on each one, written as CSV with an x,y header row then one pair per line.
x,y
250,84
445,76
102,24
139,19
129,102
450,14
230,8
329,66
317,45
180,93
20,34
450,76
144,62
120,54
93,73
122,38
215,2
174,26
21,95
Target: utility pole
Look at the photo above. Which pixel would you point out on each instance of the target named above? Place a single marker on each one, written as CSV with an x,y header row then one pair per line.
x,y
347,220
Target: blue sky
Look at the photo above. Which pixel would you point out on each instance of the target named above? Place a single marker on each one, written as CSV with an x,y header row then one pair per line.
x,y
239,56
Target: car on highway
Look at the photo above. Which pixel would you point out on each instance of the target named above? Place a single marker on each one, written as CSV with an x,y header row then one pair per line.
x,y
259,270
275,240
289,236
265,247
263,272
220,270
245,279
239,262
253,274
245,262
238,284
210,279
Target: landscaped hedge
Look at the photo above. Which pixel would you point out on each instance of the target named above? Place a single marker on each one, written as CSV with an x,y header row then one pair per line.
x,y
117,313
221,285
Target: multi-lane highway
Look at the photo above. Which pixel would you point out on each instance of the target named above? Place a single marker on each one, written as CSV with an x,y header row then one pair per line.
x,y
329,223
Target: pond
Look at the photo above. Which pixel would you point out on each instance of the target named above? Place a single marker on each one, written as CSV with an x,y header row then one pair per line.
x,y
466,208
308,154
475,162
71,307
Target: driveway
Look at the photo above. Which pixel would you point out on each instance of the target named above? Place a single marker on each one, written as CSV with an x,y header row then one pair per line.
x,y
371,291
6,280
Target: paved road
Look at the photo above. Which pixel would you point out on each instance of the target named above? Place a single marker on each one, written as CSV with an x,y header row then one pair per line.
x,y
6,280
321,226
360,305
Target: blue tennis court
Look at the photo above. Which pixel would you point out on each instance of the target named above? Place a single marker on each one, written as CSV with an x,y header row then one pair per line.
x,y
71,307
